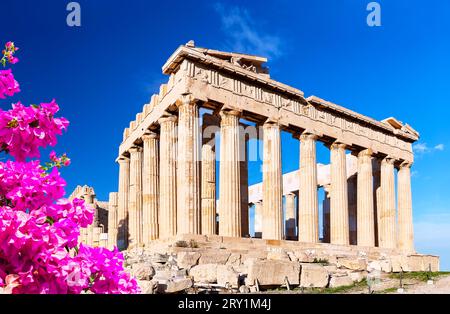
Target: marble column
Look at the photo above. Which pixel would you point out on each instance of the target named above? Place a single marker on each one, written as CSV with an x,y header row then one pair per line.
x,y
365,202
83,235
339,225
188,171
272,183
244,182
352,189
150,187
88,200
230,224
387,221
112,219
135,197
258,219
208,190
96,231
90,235
326,213
122,201
290,216
168,177
405,216
376,171
308,216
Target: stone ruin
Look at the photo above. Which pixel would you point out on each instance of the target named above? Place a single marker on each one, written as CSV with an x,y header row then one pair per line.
x,y
167,181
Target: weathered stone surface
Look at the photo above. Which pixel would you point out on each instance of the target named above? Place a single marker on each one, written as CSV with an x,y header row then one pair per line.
x,y
178,272
226,274
148,287
340,281
352,263
273,272
234,259
433,261
330,268
159,258
242,268
305,257
277,256
313,276
253,289
386,266
205,273
292,256
374,266
143,271
413,263
187,259
396,263
162,274
216,257
244,289
178,285
357,276
254,254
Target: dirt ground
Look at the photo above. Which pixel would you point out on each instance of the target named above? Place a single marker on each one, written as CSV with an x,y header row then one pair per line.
x,y
440,286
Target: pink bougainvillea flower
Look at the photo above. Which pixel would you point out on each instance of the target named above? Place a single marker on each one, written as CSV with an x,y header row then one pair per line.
x,y
40,250
8,85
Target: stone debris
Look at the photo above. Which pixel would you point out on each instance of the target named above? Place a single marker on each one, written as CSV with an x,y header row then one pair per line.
x,y
273,272
238,267
313,276
227,275
353,264
204,273
188,259
214,258
143,271
340,281
176,285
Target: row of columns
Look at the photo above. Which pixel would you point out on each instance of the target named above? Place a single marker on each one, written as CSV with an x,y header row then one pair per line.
x,y
91,235
165,188
375,201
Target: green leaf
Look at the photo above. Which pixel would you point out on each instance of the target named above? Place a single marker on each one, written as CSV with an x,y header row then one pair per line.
x,y
50,220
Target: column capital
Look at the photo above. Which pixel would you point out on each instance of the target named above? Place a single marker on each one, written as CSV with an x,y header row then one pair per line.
x,y
365,153
148,135
338,145
167,117
271,123
226,111
186,100
308,135
122,159
135,149
405,164
389,160
229,118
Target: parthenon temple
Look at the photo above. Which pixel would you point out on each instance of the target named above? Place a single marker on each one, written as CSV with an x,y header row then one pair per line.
x,y
183,162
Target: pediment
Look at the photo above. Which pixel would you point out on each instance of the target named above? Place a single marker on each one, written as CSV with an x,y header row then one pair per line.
x,y
396,124
249,62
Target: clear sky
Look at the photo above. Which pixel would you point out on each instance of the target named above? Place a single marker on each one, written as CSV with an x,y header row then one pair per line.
x,y
104,71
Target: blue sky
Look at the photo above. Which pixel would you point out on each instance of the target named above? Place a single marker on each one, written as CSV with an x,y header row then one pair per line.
x,y
104,71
